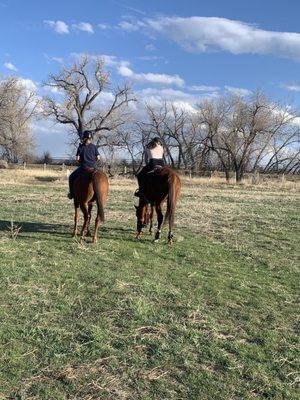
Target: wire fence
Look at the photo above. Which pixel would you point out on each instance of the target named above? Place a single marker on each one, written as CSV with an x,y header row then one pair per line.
x,y
126,169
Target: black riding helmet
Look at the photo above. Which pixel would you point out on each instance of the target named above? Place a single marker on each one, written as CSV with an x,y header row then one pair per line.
x,y
87,135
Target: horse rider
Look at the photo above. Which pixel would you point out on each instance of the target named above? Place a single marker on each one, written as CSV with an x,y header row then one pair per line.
x,y
154,156
87,155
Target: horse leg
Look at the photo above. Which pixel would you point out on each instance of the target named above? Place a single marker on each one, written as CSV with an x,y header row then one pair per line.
x,y
170,234
84,209
139,227
160,218
76,217
88,233
139,224
151,220
97,223
170,237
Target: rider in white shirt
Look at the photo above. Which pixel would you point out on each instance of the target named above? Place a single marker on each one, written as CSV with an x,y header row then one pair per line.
x,y
153,154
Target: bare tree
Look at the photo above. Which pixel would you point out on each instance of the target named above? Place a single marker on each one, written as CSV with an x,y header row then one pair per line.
x,y
18,106
85,101
241,131
180,132
133,139
212,115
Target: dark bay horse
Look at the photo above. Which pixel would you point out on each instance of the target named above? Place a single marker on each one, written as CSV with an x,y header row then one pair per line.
x,y
89,187
162,184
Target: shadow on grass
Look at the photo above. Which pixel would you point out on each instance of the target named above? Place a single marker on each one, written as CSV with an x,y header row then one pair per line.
x,y
60,229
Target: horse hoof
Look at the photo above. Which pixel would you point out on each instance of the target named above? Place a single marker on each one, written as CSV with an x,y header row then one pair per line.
x,y
138,236
155,240
94,240
170,242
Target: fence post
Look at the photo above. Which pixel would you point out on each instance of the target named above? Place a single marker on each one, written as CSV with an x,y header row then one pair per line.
x,y
24,165
190,174
63,166
125,170
255,177
45,166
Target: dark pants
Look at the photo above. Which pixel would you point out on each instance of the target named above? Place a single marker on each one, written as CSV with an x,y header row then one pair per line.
x,y
73,176
147,168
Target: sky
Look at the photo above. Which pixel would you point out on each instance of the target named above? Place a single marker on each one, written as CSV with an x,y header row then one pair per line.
x,y
182,51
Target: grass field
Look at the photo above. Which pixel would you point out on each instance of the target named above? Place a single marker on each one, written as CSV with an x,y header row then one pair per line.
x,y
213,317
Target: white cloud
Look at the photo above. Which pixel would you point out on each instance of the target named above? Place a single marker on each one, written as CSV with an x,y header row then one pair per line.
x,y
51,90
59,26
182,99
49,59
149,77
10,66
204,34
103,26
124,70
29,84
237,91
291,87
204,88
59,60
153,58
84,26
150,47
128,26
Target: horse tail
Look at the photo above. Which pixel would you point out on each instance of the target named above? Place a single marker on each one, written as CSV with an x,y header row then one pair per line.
x,y
98,195
173,193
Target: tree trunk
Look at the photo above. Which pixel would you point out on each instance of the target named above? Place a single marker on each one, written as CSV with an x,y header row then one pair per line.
x,y
227,175
239,173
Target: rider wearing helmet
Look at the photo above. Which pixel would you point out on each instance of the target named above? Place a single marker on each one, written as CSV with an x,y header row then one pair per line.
x,y
154,156
87,155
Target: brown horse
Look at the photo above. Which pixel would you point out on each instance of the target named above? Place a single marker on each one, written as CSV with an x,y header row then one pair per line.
x,y
162,184
89,187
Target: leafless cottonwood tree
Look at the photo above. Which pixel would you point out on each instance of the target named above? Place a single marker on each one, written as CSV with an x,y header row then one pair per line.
x,y
180,132
133,139
241,131
18,106
86,100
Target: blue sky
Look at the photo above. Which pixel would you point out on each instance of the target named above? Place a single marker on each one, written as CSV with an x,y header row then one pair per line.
x,y
180,50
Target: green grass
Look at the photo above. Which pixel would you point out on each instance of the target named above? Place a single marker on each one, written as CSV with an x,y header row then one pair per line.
x,y
213,317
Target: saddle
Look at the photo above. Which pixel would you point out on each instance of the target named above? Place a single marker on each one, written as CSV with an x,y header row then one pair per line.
x,y
89,170
157,167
